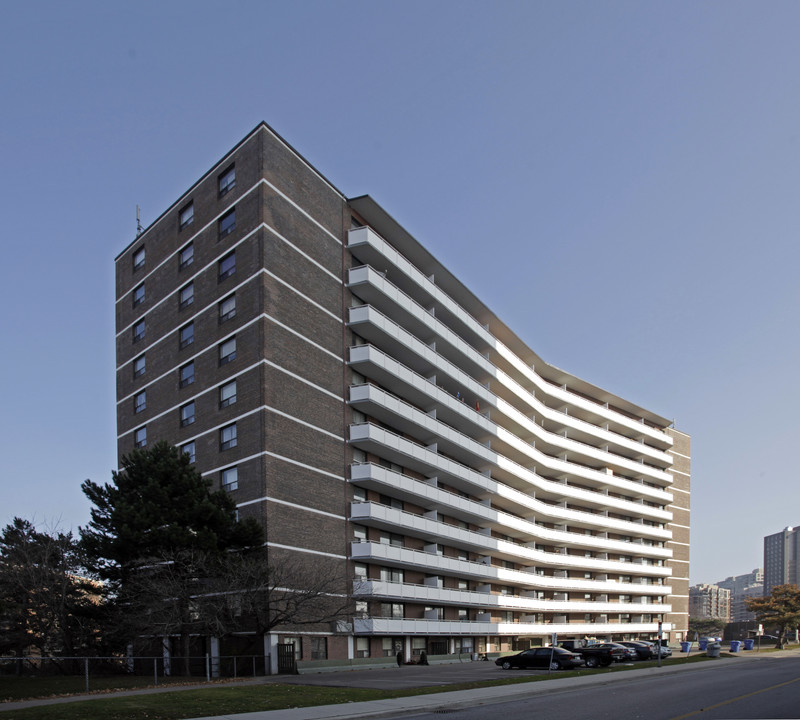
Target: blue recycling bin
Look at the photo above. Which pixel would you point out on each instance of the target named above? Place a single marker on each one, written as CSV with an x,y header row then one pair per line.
x,y
703,643
736,645
686,646
748,643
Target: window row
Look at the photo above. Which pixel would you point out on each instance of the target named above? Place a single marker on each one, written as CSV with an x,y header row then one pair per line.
x,y
227,393
228,436
227,310
226,182
226,267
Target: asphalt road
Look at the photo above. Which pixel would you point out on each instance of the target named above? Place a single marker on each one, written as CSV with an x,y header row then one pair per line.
x,y
769,688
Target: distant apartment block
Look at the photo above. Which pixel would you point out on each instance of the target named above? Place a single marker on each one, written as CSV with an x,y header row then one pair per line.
x,y
319,364
710,601
743,587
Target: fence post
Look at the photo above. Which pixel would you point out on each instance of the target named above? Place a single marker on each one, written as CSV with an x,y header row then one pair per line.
x,y
254,665
155,671
234,667
86,670
208,668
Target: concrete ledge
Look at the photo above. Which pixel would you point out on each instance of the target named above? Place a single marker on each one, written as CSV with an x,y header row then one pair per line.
x,y
305,667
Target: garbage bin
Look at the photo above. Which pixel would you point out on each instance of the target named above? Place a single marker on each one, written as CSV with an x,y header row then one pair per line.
x,y
736,645
686,646
748,643
713,649
703,643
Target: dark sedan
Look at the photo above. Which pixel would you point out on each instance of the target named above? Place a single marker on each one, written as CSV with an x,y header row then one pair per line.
x,y
552,658
620,653
643,650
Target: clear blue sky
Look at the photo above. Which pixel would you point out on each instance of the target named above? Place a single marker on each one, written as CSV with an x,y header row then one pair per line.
x,y
618,181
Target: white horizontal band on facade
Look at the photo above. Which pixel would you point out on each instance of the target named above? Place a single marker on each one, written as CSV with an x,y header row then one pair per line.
x,y
336,556
239,461
305,508
305,297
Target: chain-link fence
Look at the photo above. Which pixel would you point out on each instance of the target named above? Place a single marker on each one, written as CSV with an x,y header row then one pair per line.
x,y
96,671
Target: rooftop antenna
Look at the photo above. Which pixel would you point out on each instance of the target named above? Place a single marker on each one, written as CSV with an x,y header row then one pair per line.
x,y
138,223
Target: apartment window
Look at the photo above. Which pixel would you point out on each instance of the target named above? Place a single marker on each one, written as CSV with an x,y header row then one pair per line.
x,y
359,533
388,648
227,351
230,479
227,308
186,374
362,647
186,335
139,366
360,570
187,215
186,256
319,648
392,610
227,223
391,575
463,615
140,437
140,401
189,449
227,266
227,181
138,259
227,394
298,646
359,494
187,414
387,538
186,296
227,437
138,295
138,331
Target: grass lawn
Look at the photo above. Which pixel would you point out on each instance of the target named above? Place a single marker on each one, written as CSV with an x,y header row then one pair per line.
x,y
233,697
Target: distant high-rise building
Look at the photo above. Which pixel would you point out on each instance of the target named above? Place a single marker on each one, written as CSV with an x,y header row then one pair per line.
x,y
743,587
709,601
781,558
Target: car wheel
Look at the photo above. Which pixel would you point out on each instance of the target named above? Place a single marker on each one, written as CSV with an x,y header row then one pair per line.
x,y
605,663
554,665
506,665
591,662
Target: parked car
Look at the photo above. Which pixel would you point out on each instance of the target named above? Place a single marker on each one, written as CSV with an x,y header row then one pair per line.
x,y
545,657
644,651
620,652
666,651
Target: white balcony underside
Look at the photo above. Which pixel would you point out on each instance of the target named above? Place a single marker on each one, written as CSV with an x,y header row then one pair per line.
x,y
402,592
389,626
431,497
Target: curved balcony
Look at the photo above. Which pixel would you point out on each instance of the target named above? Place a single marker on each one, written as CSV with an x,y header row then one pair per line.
x,y
408,349
429,429
370,248
427,594
434,564
434,499
414,456
390,626
436,532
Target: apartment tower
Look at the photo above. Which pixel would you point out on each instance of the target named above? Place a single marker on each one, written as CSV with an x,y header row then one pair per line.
x,y
318,363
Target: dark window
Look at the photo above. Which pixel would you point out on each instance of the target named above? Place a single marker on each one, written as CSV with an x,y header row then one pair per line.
x,y
138,330
138,295
227,437
189,449
187,414
187,374
319,648
140,437
227,223
230,479
139,366
187,215
227,394
187,256
138,259
227,308
186,296
227,181
140,401
227,266
187,335
227,351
